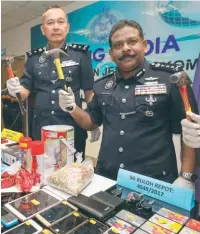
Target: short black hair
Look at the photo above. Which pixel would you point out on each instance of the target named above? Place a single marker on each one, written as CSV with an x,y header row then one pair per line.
x,y
123,23
55,6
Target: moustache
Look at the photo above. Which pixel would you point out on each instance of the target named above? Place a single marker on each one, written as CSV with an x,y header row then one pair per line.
x,y
126,56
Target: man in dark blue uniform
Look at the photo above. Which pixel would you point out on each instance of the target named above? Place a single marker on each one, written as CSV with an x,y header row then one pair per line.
x,y
41,77
139,109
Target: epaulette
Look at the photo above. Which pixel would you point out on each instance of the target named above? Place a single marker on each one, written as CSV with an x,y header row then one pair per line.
x,y
35,51
79,47
168,67
104,77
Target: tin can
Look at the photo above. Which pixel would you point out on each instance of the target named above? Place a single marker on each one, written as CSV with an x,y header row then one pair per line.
x,y
59,144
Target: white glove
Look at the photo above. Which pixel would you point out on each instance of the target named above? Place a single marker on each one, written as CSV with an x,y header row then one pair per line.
x,y
185,184
13,86
67,100
191,131
95,134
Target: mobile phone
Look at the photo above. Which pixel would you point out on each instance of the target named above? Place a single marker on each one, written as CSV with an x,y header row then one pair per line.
x,y
130,218
121,225
28,206
7,219
91,227
29,227
112,230
69,223
56,213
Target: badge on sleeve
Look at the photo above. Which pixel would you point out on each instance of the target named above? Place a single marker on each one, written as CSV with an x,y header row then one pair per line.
x,y
109,84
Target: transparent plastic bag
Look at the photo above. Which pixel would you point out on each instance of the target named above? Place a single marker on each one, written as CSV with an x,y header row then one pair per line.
x,y
72,178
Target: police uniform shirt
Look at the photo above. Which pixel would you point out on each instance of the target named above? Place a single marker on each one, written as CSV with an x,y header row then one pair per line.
x,y
138,128
40,76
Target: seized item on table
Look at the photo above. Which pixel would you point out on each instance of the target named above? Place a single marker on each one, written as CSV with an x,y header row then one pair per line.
x,y
73,178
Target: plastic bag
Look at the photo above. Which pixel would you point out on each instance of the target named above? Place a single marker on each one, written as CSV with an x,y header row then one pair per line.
x,y
72,178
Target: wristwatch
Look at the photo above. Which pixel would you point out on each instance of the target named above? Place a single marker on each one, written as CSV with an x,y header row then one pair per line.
x,y
189,176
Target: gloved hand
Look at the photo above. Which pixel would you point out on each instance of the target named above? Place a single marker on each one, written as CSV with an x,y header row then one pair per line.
x,y
191,131
95,134
185,184
66,100
13,86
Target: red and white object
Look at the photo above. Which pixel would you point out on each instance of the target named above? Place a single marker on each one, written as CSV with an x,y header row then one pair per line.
x,y
58,151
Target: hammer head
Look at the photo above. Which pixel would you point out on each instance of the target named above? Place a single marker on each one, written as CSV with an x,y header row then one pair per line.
x,y
55,53
179,78
9,60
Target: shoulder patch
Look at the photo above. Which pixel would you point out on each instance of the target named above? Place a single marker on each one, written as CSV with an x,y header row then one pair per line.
x,y
172,67
78,47
35,51
104,77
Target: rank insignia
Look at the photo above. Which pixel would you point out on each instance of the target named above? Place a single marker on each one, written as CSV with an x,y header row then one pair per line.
x,y
169,67
109,84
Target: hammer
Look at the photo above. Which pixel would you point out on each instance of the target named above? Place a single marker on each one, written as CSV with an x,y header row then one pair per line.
x,y
55,53
9,61
181,81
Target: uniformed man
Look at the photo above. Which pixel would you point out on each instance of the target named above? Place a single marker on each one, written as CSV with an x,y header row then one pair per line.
x,y
41,76
191,130
139,109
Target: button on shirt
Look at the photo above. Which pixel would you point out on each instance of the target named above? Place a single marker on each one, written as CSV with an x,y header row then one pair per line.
x,y
140,142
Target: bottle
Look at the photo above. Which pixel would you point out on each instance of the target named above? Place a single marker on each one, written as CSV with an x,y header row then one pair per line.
x,y
37,150
24,145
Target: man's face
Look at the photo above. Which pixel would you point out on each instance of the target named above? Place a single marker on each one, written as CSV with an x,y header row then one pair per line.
x,y
55,25
127,49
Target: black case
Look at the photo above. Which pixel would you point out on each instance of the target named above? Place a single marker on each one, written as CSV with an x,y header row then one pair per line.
x,y
108,199
92,207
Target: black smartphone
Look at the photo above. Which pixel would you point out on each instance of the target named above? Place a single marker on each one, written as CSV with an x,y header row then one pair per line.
x,y
56,213
91,227
69,223
29,227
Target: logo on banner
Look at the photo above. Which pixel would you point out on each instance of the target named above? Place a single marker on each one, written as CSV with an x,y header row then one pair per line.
x,y
100,26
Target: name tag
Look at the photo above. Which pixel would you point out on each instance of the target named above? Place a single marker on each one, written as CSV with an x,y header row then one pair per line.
x,y
150,89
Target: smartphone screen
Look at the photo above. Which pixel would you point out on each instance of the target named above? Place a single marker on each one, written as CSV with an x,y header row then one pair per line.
x,y
92,227
68,223
33,203
23,229
57,212
7,219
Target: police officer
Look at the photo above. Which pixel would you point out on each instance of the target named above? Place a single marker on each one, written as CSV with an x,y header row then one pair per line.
x,y
191,130
41,76
139,109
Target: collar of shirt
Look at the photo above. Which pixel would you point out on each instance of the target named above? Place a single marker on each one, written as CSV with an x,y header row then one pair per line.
x,y
63,46
138,74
